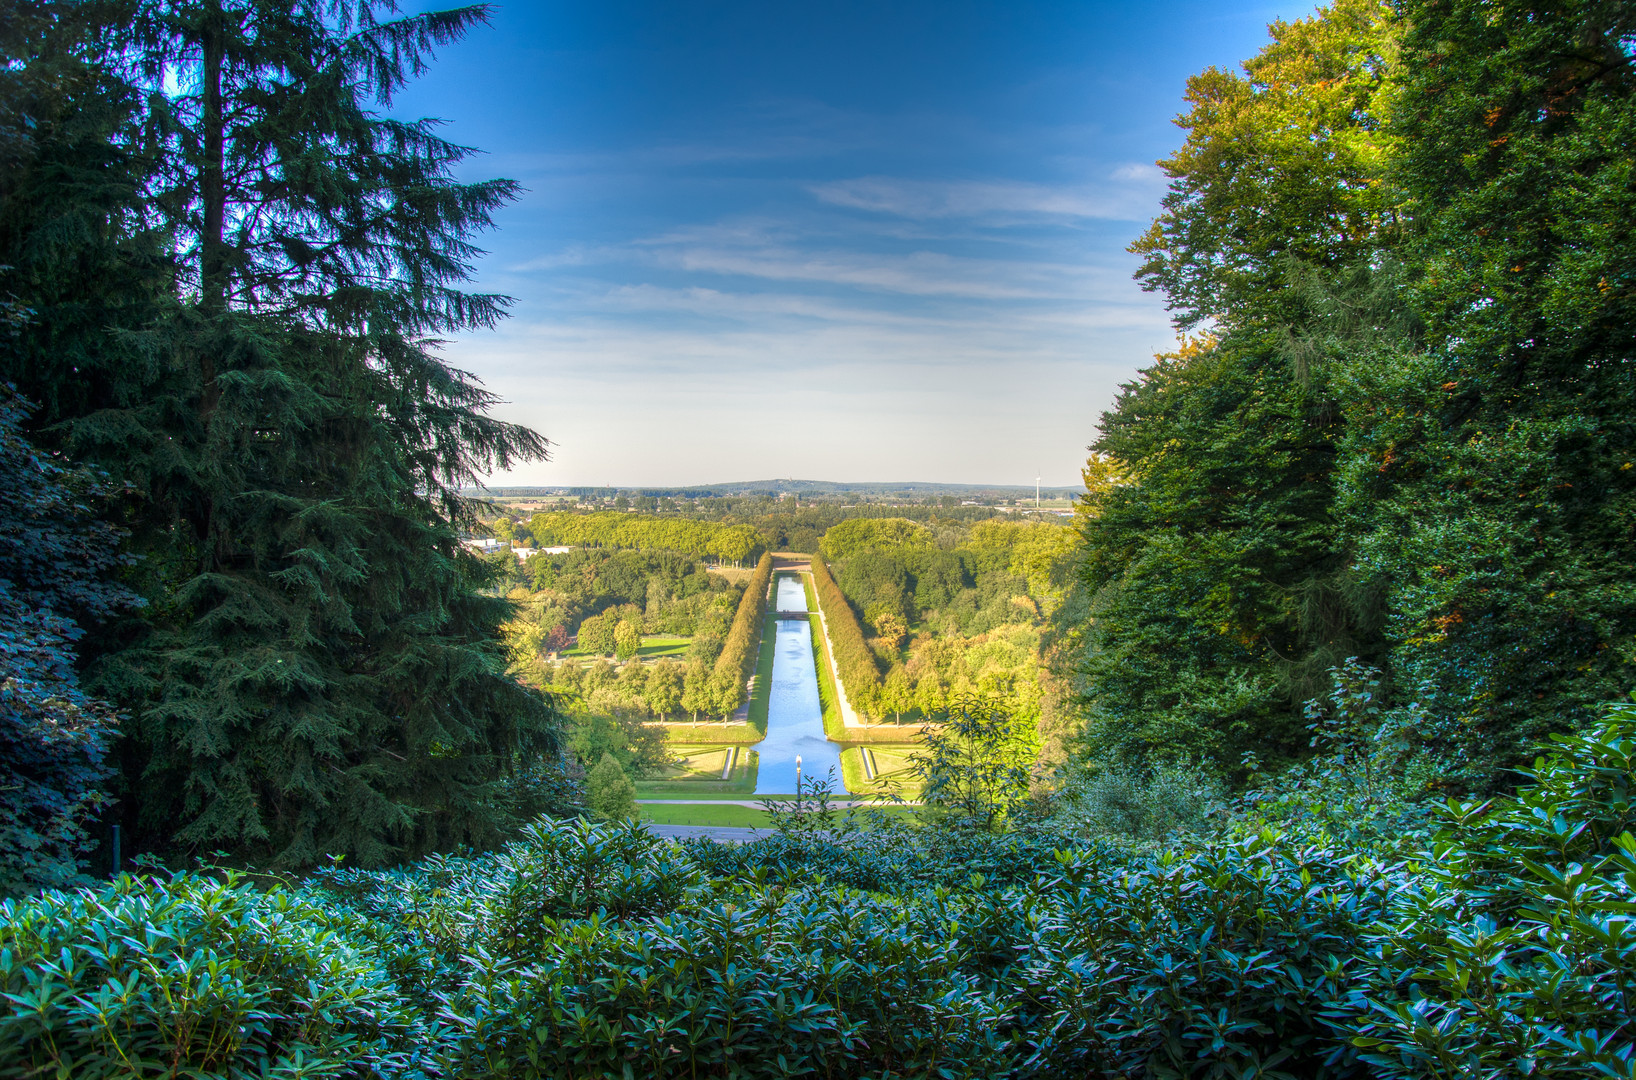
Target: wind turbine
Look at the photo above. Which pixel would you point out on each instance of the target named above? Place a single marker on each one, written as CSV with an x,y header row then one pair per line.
x,y
1036,493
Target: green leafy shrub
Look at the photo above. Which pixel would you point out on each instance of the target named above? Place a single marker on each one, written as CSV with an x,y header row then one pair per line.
x,y
1152,804
758,983
1513,950
898,860
973,768
1370,773
609,792
1217,964
197,976
514,902
603,951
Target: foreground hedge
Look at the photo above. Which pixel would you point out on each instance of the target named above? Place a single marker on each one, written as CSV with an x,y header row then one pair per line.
x,y
1505,949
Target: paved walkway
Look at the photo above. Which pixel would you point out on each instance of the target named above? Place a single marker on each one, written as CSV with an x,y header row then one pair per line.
x,y
719,833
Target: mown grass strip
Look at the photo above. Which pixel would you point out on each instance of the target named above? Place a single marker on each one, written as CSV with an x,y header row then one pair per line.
x,y
730,817
761,696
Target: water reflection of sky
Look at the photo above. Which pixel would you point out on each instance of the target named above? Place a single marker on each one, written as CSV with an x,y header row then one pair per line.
x,y
795,718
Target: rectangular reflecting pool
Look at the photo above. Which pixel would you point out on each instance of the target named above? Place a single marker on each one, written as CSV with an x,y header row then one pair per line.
x,y
795,717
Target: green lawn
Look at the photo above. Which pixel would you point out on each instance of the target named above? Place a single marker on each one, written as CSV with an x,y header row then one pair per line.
x,y
657,645
834,726
892,759
738,817
697,763
714,734
892,764
764,669
701,780
653,647
697,791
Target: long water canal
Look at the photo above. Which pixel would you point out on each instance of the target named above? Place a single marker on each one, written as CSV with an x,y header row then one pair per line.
x,y
795,717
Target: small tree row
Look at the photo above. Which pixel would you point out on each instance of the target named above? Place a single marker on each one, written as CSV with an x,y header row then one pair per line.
x,y
855,661
738,652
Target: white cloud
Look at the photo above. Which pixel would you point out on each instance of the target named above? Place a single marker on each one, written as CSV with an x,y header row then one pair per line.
x,y
1130,195
799,337
630,404
766,251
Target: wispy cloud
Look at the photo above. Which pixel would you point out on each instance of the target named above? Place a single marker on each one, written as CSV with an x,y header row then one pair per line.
x,y
779,251
638,402
767,310
1129,194
923,273
914,315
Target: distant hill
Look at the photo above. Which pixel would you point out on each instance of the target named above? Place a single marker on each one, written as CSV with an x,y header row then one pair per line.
x,y
794,487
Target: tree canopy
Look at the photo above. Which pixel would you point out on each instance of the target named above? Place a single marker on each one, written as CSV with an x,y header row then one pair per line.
x,y
1400,432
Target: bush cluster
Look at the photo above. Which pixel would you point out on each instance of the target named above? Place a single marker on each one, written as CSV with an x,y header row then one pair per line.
x,y
738,653
1500,949
860,674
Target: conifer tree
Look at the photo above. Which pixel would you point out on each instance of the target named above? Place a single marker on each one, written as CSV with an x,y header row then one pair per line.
x,y
321,672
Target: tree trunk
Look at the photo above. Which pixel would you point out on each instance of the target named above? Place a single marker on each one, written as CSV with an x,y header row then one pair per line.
x,y
213,270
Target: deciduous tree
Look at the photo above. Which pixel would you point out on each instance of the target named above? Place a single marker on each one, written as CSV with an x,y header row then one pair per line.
x,y
609,792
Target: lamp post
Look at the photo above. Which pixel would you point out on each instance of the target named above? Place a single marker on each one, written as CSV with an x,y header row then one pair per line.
x,y
798,779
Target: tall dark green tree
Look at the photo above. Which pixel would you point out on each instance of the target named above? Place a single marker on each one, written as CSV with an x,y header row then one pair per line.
x,y
1491,479
1408,436
320,670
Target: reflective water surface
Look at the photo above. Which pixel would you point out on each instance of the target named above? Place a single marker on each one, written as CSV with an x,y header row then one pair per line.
x,y
795,719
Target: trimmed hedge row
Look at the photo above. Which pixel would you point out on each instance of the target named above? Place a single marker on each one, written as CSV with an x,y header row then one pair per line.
x,y
738,653
853,657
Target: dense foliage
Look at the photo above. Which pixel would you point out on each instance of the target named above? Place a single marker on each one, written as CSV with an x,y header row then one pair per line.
x,y
237,269
606,952
1359,540
1403,434
1492,507
960,615
54,739
660,592
860,675
700,539
973,768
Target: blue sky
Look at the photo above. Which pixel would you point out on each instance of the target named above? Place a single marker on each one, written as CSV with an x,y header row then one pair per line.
x,y
832,240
